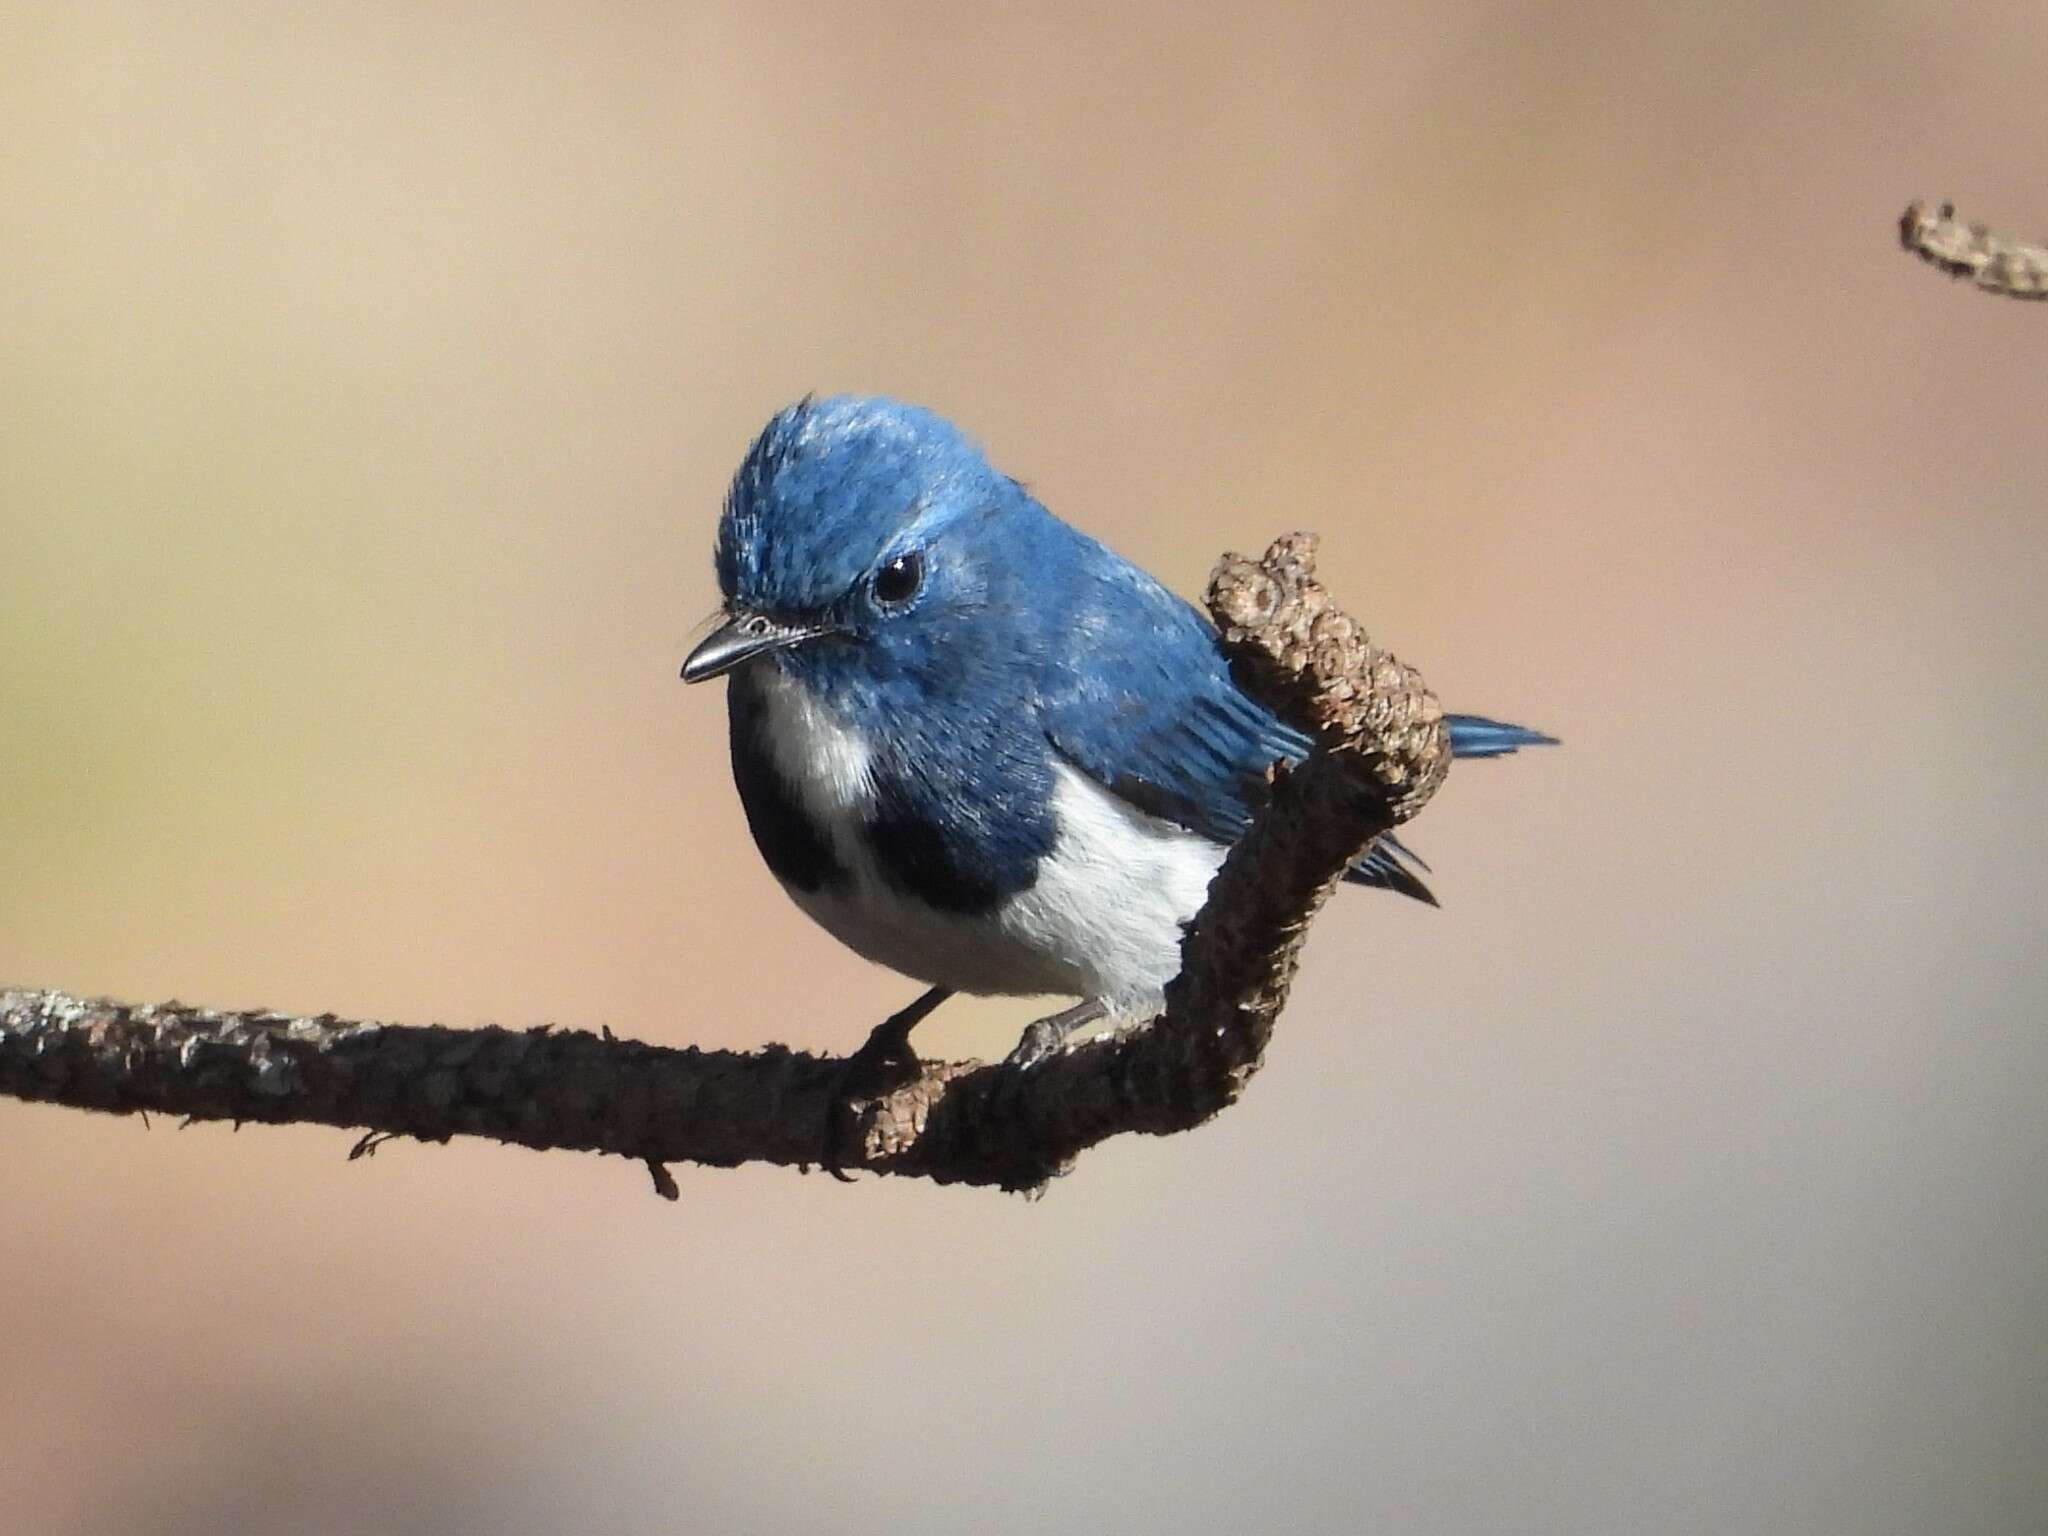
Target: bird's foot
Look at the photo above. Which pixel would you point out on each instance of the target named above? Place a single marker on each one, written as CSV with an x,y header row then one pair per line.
x,y
884,1063
1047,1037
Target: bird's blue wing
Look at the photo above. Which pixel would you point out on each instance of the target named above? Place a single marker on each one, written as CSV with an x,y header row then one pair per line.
x,y
1157,721
1137,696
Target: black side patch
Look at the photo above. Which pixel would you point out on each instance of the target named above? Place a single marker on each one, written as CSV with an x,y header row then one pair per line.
x,y
969,865
793,846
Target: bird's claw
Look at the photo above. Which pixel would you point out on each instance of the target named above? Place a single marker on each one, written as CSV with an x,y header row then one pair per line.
x,y
1045,1038
1042,1039
884,1063
878,1068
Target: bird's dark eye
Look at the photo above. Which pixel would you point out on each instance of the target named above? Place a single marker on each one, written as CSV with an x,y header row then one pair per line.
x,y
898,581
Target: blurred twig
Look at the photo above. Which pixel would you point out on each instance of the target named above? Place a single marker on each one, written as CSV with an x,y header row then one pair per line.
x,y
1992,262
1382,749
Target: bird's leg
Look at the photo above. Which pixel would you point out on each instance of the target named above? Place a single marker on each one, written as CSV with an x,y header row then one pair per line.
x,y
1044,1037
883,1062
886,1052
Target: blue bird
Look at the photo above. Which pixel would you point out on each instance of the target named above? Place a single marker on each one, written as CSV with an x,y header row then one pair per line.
x,y
973,744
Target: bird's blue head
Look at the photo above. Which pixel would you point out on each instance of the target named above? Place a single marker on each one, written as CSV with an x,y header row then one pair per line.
x,y
863,535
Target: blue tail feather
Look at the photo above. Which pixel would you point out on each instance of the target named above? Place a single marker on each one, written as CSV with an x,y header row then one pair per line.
x,y
1477,736
1389,864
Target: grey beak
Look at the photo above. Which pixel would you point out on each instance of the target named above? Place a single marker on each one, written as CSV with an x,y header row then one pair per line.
x,y
741,638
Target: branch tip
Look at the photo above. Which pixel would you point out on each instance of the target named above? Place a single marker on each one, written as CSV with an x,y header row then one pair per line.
x,y
2013,268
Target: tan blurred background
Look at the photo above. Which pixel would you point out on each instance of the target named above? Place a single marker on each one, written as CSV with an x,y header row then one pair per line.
x,y
369,380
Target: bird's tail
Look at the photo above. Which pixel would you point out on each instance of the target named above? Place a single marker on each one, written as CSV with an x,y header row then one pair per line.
x,y
1392,865
1477,736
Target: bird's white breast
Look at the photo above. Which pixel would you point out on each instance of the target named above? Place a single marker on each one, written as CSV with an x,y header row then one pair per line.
x,y
1103,919
823,759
